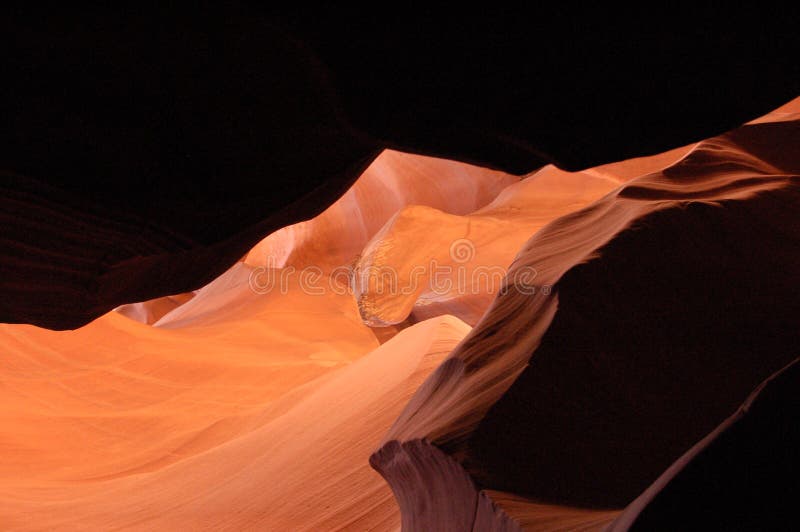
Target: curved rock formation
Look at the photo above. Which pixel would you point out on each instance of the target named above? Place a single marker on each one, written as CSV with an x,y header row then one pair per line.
x,y
256,403
394,180
426,262
151,311
661,319
143,152
639,303
445,264
253,419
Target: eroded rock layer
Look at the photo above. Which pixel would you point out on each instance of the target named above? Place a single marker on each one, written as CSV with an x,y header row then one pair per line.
x,y
143,152
658,309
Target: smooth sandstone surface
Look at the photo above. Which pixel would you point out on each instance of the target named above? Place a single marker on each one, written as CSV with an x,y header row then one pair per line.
x,y
241,407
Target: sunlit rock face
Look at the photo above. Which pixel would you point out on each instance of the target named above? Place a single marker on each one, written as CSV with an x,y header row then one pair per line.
x,y
426,262
432,328
207,426
151,311
139,161
226,406
394,180
443,263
